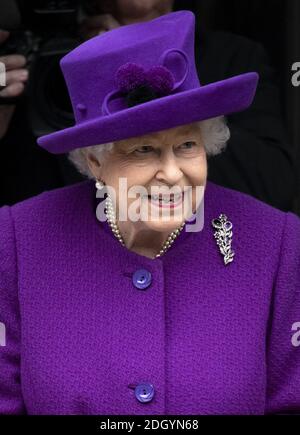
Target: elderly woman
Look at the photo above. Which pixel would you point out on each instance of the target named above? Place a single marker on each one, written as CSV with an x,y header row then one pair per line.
x,y
181,299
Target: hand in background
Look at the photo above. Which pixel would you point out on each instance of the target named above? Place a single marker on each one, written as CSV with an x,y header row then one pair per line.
x,y
16,76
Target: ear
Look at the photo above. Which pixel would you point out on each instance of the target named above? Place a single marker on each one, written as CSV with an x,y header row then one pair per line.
x,y
93,164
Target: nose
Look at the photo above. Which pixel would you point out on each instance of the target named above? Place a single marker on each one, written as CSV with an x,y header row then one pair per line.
x,y
169,170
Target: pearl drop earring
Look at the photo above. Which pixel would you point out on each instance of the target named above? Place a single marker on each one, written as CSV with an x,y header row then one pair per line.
x,y
99,185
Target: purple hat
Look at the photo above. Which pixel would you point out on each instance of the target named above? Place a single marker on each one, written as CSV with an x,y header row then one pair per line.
x,y
139,79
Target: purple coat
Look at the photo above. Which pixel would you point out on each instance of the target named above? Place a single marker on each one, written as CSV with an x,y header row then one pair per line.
x,y
207,338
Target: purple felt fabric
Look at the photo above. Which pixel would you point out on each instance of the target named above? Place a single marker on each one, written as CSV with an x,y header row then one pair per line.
x,y
102,115
211,339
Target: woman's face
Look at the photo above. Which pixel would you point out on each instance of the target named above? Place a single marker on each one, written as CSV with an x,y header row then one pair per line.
x,y
171,159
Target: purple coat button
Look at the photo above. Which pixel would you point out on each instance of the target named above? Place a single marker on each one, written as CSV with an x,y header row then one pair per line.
x,y
141,279
144,392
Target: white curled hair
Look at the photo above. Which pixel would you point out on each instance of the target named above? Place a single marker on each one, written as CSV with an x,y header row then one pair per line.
x,y
214,131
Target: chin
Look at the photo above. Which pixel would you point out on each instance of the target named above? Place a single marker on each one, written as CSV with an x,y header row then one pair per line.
x,y
164,219
160,225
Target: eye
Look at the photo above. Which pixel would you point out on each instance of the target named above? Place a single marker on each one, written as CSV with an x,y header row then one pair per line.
x,y
143,149
188,145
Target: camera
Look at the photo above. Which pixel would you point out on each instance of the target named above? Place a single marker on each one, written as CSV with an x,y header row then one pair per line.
x,y
42,31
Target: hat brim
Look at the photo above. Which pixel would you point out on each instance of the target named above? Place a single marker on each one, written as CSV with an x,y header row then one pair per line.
x,y
220,98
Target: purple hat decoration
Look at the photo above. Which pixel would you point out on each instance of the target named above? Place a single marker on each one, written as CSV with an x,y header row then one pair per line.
x,y
131,75
138,85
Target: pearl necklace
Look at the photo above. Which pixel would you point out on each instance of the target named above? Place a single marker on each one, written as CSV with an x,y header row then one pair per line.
x,y
111,219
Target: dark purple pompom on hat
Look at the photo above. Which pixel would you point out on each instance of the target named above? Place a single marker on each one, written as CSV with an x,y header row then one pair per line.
x,y
160,79
130,76
140,85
